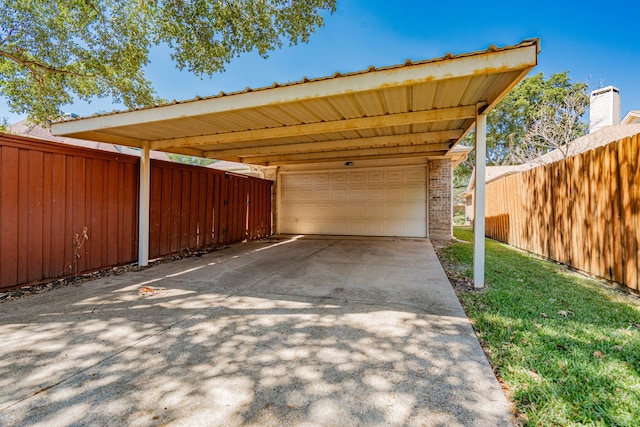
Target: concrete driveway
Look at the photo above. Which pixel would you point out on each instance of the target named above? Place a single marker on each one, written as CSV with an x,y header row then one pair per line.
x,y
300,331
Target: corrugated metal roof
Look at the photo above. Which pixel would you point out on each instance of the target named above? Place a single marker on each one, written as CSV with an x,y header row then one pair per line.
x,y
414,109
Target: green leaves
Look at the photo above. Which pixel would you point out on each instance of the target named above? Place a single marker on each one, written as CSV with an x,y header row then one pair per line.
x,y
537,116
531,103
206,35
52,51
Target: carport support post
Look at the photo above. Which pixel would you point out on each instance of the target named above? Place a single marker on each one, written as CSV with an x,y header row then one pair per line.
x,y
143,218
479,214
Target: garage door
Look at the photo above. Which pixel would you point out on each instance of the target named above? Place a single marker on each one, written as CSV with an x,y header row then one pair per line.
x,y
369,202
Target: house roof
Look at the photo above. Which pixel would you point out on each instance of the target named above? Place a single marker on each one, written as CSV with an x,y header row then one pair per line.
x,y
598,138
595,139
631,117
236,167
415,109
34,131
494,172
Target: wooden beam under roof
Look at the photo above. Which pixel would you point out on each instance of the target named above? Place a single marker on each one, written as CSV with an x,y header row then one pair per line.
x,y
386,152
412,139
360,123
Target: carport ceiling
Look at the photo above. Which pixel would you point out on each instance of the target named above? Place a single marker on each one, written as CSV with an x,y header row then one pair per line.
x,y
416,109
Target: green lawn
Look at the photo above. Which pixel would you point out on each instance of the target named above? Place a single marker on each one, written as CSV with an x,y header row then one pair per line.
x,y
567,347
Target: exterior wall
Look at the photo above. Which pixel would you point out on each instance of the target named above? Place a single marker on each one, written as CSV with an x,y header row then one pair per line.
x,y
439,214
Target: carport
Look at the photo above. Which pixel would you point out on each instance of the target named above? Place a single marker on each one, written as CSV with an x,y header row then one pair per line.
x,y
377,140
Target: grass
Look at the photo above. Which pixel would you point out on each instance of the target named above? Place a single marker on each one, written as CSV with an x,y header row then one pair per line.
x,y
566,347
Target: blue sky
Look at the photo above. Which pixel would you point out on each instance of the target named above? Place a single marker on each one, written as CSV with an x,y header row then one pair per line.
x,y
596,42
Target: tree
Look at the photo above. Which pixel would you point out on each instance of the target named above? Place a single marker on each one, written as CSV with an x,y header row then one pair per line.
x,y
555,126
190,160
55,51
536,117
4,125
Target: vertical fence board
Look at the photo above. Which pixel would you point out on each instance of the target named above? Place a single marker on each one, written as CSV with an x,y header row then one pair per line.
x,y
217,208
184,210
193,236
47,218
165,220
58,210
634,158
97,214
111,226
580,245
155,211
224,209
606,201
9,208
35,215
120,189
617,242
132,194
210,214
23,207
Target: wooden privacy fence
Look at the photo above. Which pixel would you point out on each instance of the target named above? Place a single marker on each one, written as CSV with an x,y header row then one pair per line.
x,y
194,207
582,211
50,192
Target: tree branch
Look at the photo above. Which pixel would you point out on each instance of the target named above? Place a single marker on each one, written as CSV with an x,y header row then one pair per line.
x,y
9,34
33,66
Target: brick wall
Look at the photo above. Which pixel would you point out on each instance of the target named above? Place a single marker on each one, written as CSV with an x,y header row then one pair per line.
x,y
439,199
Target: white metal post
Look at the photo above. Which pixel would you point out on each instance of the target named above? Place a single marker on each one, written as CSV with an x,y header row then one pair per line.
x,y
479,214
145,191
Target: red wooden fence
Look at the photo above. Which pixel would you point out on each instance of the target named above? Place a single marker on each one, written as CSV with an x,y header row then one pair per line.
x,y
583,211
194,207
49,192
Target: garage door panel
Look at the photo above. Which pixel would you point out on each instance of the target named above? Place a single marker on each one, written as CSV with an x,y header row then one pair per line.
x,y
306,180
375,177
414,194
395,194
357,194
376,211
321,179
375,194
396,177
322,195
376,228
380,202
339,195
338,178
353,212
414,176
357,178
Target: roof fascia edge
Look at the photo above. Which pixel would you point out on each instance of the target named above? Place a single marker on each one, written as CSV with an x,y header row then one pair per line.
x,y
508,59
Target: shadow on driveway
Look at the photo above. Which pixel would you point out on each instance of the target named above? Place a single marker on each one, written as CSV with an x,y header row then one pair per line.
x,y
301,331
